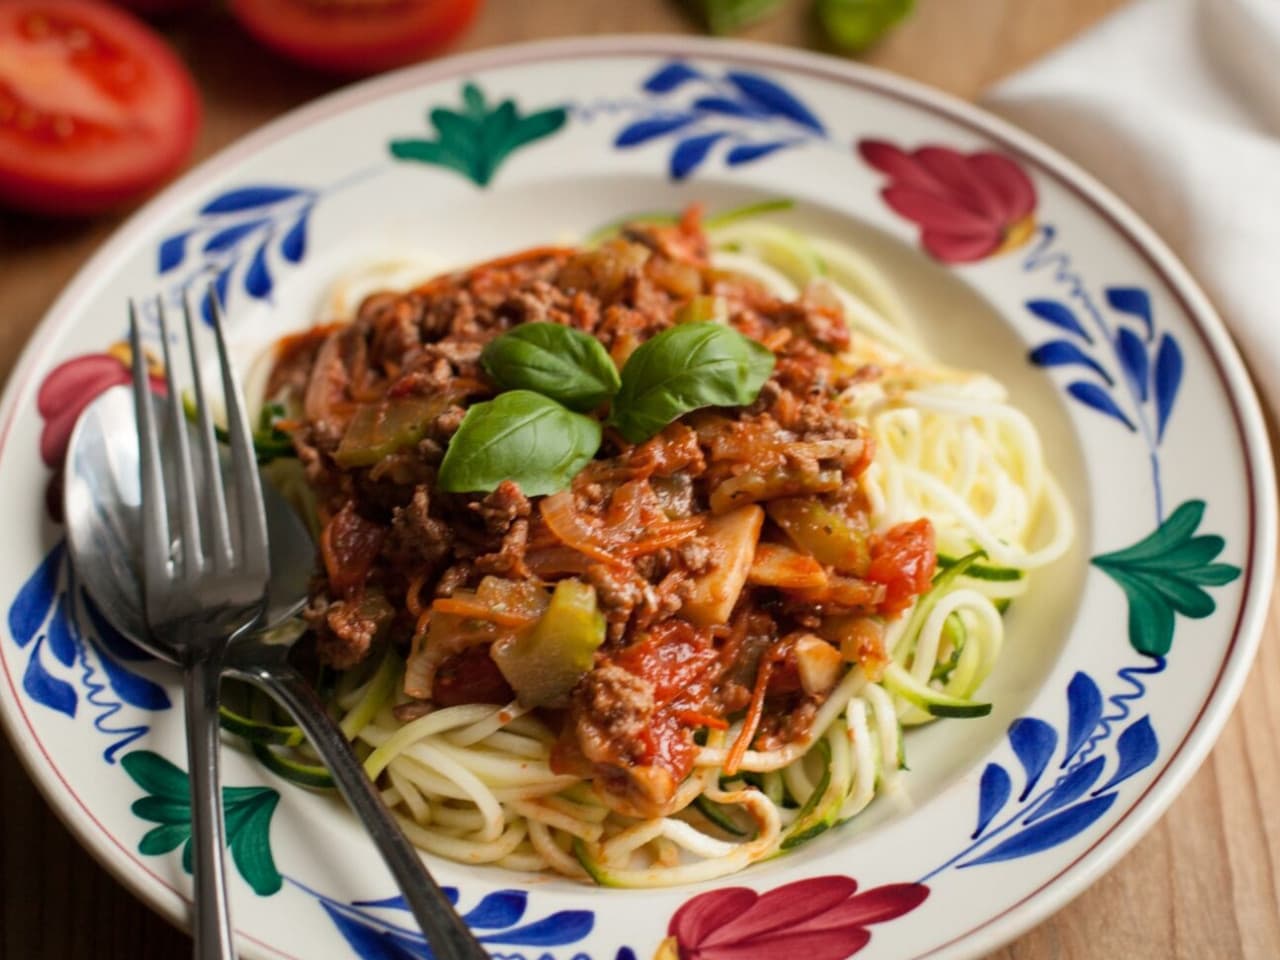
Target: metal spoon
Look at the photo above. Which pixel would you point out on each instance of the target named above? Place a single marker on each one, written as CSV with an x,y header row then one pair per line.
x,y
101,499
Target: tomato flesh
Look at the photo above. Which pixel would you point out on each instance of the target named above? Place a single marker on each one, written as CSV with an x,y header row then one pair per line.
x,y
355,36
94,108
904,560
349,545
678,659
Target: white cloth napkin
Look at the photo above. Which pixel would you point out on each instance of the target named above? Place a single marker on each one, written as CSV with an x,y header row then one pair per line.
x,y
1175,104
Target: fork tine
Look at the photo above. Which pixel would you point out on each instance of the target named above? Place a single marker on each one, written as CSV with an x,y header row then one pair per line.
x,y
188,510
244,463
155,514
216,501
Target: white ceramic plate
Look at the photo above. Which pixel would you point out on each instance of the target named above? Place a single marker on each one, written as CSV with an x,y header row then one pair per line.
x,y
1122,664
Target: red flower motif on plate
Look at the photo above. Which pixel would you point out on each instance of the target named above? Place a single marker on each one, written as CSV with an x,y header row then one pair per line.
x,y
66,390
969,206
822,918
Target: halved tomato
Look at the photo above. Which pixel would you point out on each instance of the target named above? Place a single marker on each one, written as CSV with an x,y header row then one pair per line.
x,y
95,109
355,36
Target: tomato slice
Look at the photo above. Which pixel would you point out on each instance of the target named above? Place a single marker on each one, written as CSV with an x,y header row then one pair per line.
x,y
355,36
95,109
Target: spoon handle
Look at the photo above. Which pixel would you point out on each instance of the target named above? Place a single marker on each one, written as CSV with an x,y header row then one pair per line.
x,y
212,920
449,937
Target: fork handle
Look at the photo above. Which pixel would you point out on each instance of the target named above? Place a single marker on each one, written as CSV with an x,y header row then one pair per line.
x,y
449,937
212,934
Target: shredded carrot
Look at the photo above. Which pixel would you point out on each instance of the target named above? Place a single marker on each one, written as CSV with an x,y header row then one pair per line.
x,y
692,718
287,425
549,252
752,721
469,607
667,535
734,635
292,343
436,284
561,517
412,595
775,340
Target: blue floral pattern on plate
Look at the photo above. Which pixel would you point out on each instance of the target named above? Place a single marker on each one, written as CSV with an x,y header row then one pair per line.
x,y
1053,779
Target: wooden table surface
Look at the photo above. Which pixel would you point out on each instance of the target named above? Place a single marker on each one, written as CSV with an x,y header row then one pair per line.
x,y
1202,884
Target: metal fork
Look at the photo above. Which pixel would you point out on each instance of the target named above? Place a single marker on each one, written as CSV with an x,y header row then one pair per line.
x,y
204,584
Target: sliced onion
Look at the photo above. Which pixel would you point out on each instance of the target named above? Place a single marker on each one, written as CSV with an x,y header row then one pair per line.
x,y
563,519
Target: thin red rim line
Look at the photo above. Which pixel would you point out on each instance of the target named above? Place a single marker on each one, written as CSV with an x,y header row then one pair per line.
x,y
932,102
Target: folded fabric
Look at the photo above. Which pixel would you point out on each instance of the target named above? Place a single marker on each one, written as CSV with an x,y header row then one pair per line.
x,y
1175,105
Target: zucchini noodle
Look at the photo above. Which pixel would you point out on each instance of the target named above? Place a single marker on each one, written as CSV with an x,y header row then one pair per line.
x,y
475,783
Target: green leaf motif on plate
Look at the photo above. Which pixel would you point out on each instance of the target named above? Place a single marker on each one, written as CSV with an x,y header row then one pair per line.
x,y
248,812
1164,574
477,138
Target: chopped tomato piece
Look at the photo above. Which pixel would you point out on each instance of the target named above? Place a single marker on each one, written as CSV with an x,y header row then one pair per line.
x,y
349,544
903,558
470,677
680,662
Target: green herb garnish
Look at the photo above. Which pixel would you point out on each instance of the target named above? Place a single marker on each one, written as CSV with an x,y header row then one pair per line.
x,y
554,360
522,436
684,368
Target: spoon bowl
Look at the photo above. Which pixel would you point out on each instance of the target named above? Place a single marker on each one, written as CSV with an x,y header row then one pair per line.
x,y
101,499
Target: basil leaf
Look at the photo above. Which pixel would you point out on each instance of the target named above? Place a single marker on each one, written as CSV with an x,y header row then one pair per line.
x,y
555,361
683,368
520,436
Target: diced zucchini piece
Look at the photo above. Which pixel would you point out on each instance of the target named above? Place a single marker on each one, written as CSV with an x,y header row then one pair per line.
x,y
544,663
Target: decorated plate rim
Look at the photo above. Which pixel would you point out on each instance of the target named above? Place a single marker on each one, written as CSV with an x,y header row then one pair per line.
x,y
1258,573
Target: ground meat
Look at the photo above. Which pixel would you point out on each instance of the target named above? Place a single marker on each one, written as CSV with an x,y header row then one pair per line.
x,y
613,706
447,424
346,633
454,577
541,303
416,535
462,354
508,559
502,507
663,601
825,421
397,325
453,312
787,724
426,379
695,555
619,590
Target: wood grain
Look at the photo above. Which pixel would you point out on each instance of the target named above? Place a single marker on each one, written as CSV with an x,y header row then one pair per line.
x,y
1201,884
